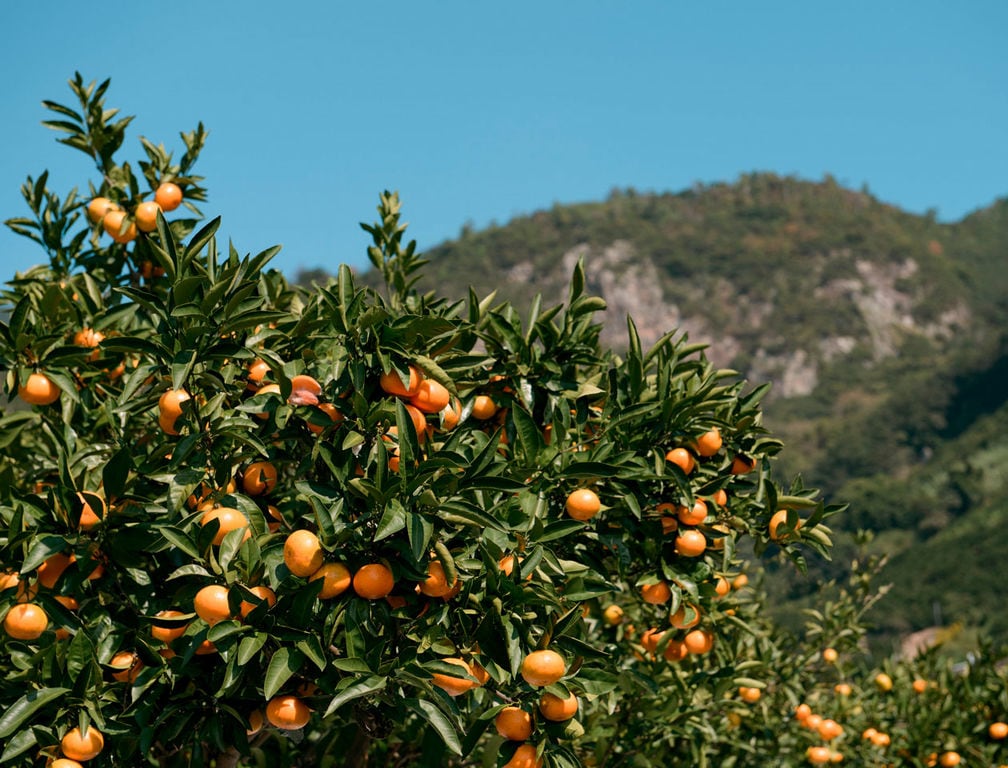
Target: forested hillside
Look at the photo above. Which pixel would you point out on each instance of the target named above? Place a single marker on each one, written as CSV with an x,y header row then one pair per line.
x,y
883,333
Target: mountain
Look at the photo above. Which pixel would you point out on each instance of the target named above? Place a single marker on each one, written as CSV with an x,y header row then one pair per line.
x,y
883,333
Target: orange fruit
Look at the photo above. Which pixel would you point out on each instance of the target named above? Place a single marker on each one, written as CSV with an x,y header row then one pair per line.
x,y
870,733
39,390
256,720
693,515
419,422
721,586
682,459
557,709
266,389
261,591
749,695
740,582
451,414
303,553
373,581
720,497
778,525
742,465
830,729
698,641
830,655
454,686
211,603
483,408
168,195
170,408
542,668
11,579
82,746
98,207
842,689
167,634
583,504
679,620
65,762
812,722
229,520
883,682
949,759
524,757
881,739
146,216
513,723
88,337
258,370
690,543
802,711
998,731
709,443
656,594
25,621
676,650
288,713
436,583
392,384
818,755
919,685
260,477
88,518
305,390
127,665
330,410
335,580
431,397
113,225
612,615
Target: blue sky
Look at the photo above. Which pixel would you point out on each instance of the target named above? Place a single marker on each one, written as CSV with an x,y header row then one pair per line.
x,y
481,112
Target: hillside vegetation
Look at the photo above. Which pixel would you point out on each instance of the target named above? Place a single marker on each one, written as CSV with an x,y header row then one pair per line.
x,y
882,333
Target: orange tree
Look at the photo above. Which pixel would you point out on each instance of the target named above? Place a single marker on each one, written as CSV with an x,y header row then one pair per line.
x,y
250,523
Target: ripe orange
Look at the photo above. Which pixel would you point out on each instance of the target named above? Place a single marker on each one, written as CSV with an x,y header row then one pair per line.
x,y
256,720
693,515
258,370
842,689
676,650
288,713
802,711
513,723
778,525
266,389
229,520
830,655
303,553
168,196
656,594
39,390
127,665
451,414
484,408
919,685
679,619
721,586
11,579
949,759
830,729
583,504
818,755
261,591
998,731
436,583
740,582
682,459
881,739
524,757
25,621
170,408
98,207
557,709
699,641
335,416
709,443
720,497
146,216
612,615
88,337
335,579
542,668
742,465
305,390
88,517
211,603
82,746
392,384
419,422
167,634
113,225
431,397
373,581
65,762
749,695
690,543
454,686
53,567
260,477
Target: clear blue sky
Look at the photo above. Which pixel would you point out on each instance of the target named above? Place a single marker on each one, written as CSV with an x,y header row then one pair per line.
x,y
479,112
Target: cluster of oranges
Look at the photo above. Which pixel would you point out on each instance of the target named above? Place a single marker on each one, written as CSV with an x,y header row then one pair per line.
x,y
122,225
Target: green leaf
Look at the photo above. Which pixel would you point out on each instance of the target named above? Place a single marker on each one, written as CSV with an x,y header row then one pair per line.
x,y
366,687
116,471
17,714
284,663
22,742
439,721
392,520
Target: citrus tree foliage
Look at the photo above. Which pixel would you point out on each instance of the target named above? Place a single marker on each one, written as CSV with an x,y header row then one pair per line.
x,y
194,422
